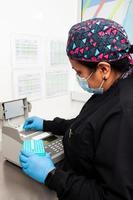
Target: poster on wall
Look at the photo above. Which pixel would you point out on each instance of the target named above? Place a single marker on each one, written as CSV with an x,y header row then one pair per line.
x,y
56,72
111,9
26,51
28,84
58,53
27,66
56,83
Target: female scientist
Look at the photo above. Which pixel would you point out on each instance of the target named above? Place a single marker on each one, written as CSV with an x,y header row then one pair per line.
x,y
98,143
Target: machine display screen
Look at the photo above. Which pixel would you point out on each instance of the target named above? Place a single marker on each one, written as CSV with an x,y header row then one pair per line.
x,y
49,139
13,109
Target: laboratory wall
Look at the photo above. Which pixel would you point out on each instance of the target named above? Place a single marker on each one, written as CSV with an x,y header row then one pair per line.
x,y
45,19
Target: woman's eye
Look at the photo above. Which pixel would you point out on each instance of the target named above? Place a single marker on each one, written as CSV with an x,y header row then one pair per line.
x,y
79,73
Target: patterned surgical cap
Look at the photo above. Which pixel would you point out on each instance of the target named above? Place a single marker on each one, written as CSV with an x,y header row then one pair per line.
x,y
97,40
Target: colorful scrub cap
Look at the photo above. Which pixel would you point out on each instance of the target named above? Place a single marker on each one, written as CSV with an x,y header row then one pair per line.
x,y
97,40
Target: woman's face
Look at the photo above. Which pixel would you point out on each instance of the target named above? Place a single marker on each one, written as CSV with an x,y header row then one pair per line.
x,y
95,80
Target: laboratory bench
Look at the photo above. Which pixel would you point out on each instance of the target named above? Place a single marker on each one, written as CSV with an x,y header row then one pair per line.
x,y
15,185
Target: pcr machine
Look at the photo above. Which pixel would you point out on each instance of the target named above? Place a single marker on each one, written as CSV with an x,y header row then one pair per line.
x,y
12,116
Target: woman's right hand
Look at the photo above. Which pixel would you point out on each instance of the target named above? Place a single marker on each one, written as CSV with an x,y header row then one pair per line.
x,y
33,123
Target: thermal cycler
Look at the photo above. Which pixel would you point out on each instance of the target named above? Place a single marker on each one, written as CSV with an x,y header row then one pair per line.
x,y
12,115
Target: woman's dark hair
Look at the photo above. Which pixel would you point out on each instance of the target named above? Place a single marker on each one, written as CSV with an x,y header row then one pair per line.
x,y
121,65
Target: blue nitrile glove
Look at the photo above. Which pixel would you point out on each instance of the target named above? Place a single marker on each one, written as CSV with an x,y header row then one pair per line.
x,y
33,123
35,166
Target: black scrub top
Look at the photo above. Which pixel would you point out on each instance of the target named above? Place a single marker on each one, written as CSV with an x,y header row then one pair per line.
x,y
98,147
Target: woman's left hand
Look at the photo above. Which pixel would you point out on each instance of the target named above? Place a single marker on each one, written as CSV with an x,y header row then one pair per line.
x,y
35,166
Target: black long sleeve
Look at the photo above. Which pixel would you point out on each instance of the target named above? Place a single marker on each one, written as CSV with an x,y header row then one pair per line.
x,y
70,186
113,162
98,161
57,126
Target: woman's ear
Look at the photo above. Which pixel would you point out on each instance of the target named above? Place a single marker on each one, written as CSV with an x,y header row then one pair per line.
x,y
105,69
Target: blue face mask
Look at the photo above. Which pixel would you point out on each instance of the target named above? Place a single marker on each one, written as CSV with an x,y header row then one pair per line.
x,y
83,82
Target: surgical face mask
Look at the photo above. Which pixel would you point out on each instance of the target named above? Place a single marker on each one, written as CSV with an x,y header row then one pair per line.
x,y
83,82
